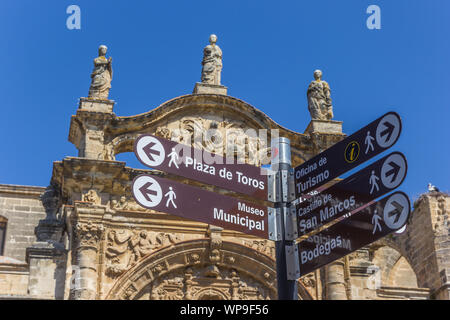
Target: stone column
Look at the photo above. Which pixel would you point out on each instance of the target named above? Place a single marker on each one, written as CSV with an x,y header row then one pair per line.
x,y
47,257
335,281
87,129
86,236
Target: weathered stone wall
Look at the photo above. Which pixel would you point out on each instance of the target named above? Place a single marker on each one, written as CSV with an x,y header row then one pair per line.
x,y
23,209
426,243
13,277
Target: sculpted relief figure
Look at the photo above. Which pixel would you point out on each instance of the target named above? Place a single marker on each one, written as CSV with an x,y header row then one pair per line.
x,y
101,76
319,98
212,62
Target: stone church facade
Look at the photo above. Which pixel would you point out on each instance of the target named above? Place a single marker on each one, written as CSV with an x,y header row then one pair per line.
x,y
84,236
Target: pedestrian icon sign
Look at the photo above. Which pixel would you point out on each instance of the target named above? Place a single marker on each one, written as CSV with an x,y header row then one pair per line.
x,y
351,194
170,195
376,221
363,227
347,154
193,203
368,142
373,182
174,158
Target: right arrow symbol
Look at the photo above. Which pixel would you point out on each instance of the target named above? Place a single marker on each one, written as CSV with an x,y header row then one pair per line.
x,y
146,192
394,171
149,151
397,211
388,131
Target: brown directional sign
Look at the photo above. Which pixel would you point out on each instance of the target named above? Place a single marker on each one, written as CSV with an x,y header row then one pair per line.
x,y
347,154
352,193
189,162
200,205
362,228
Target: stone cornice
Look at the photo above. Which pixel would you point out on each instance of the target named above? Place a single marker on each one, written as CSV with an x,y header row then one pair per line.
x,y
29,191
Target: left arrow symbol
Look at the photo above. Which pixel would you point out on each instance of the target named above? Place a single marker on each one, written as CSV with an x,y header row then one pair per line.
x,y
149,151
146,192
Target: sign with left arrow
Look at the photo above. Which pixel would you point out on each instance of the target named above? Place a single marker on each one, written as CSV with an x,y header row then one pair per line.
x,y
193,203
172,157
360,229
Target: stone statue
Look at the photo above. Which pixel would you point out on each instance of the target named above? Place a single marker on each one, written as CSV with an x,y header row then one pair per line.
x,y
212,62
101,76
319,98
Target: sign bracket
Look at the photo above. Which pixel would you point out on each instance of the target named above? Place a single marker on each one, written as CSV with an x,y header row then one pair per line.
x,y
273,183
292,262
274,223
290,226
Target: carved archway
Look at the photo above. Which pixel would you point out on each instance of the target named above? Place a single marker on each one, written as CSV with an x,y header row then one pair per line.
x,y
187,271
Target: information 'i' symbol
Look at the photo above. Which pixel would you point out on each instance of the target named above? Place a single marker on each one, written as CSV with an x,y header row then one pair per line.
x,y
352,152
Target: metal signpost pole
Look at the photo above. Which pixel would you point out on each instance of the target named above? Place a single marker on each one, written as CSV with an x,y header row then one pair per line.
x,y
281,164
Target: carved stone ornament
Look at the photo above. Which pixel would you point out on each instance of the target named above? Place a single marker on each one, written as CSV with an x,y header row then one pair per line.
x,y
196,284
92,197
263,246
88,234
125,248
163,132
123,203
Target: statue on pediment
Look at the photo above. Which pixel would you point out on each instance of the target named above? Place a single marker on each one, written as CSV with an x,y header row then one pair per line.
x,y
319,98
101,76
212,62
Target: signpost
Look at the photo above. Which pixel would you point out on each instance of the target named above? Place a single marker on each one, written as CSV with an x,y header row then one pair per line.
x,y
192,163
197,204
367,221
352,193
347,154
362,228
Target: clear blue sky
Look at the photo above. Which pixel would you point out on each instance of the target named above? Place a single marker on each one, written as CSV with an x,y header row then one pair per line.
x,y
271,49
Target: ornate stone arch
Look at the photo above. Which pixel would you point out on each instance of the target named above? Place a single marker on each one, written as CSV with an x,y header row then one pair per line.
x,y
190,270
102,135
